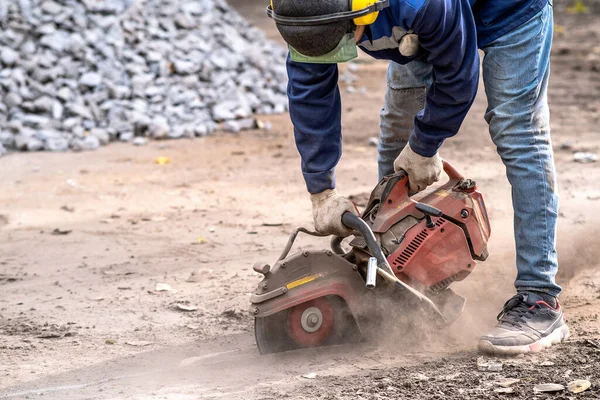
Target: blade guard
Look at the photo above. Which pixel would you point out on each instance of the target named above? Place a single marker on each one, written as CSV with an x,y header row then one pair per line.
x,y
305,276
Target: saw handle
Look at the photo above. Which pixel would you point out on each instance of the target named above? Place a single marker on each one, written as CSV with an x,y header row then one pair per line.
x,y
355,222
292,239
449,169
452,172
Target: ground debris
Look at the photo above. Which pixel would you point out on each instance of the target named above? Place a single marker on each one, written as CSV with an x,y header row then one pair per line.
x,y
59,231
418,377
493,365
50,335
233,313
579,385
8,278
452,376
507,382
194,277
546,364
163,287
585,157
566,145
185,307
162,160
592,343
138,343
548,388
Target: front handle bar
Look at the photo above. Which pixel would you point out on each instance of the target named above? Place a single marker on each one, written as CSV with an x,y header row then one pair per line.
x,y
353,221
383,268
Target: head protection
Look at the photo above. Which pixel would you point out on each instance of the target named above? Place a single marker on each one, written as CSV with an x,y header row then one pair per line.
x,y
322,31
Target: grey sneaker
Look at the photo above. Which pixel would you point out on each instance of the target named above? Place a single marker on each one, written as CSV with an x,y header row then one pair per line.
x,y
527,324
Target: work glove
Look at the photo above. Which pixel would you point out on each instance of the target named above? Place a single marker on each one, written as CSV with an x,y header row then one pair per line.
x,y
328,207
422,171
409,44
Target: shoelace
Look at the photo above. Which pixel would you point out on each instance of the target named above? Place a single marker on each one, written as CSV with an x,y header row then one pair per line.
x,y
516,310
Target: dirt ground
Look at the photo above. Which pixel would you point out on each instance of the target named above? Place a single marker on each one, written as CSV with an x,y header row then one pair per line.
x,y
86,237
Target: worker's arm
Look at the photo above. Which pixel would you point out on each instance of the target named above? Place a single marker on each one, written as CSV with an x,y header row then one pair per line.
x,y
447,32
315,110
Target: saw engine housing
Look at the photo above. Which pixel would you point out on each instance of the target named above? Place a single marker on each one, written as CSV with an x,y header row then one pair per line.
x,y
426,241
429,258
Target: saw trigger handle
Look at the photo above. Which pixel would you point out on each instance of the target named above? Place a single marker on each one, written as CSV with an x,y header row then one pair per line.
x,y
429,212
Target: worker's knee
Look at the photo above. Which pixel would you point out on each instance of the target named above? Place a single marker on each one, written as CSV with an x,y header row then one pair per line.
x,y
411,75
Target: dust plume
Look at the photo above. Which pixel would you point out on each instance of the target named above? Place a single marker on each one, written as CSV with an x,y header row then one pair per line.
x,y
577,253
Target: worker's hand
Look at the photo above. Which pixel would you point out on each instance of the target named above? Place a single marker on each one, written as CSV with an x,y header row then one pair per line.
x,y
327,208
422,171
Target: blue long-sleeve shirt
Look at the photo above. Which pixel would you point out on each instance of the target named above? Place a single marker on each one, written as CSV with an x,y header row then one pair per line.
x,y
449,32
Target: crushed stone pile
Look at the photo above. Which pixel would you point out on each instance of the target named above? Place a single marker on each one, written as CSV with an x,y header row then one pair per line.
x,y
77,74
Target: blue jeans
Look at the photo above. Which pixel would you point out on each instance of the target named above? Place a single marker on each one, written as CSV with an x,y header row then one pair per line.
x,y
516,68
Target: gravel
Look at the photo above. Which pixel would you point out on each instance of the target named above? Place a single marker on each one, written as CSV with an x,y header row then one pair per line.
x,y
78,74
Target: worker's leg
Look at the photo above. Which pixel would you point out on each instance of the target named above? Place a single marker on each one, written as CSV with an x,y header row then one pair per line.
x,y
404,98
516,68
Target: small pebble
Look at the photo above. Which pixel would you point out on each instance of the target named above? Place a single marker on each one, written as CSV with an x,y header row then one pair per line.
x,y
579,386
585,157
548,388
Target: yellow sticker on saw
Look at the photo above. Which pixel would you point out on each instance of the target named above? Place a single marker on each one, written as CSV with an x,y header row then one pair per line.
x,y
302,281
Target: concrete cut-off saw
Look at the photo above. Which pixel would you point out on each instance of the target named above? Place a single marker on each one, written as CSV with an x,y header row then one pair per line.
x,y
403,250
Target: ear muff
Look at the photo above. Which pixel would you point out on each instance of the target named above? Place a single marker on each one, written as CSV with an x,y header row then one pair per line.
x,y
361,12
367,19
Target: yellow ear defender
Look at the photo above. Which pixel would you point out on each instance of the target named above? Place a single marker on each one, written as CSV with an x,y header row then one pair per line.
x,y
368,19
363,12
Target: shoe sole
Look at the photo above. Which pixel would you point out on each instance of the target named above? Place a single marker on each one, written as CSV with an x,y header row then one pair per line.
x,y
557,336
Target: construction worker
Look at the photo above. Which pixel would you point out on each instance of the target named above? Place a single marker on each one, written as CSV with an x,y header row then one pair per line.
x,y
431,83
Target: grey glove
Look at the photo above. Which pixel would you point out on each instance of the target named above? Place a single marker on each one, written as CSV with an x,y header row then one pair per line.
x,y
422,171
328,207
409,44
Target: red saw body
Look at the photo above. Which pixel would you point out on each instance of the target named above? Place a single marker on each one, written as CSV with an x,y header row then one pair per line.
x,y
410,248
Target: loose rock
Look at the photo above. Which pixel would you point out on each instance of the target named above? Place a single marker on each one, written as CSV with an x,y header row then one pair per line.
x,y
579,386
87,143
90,79
507,382
493,365
585,157
107,66
548,388
163,287
140,141
185,307
9,57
